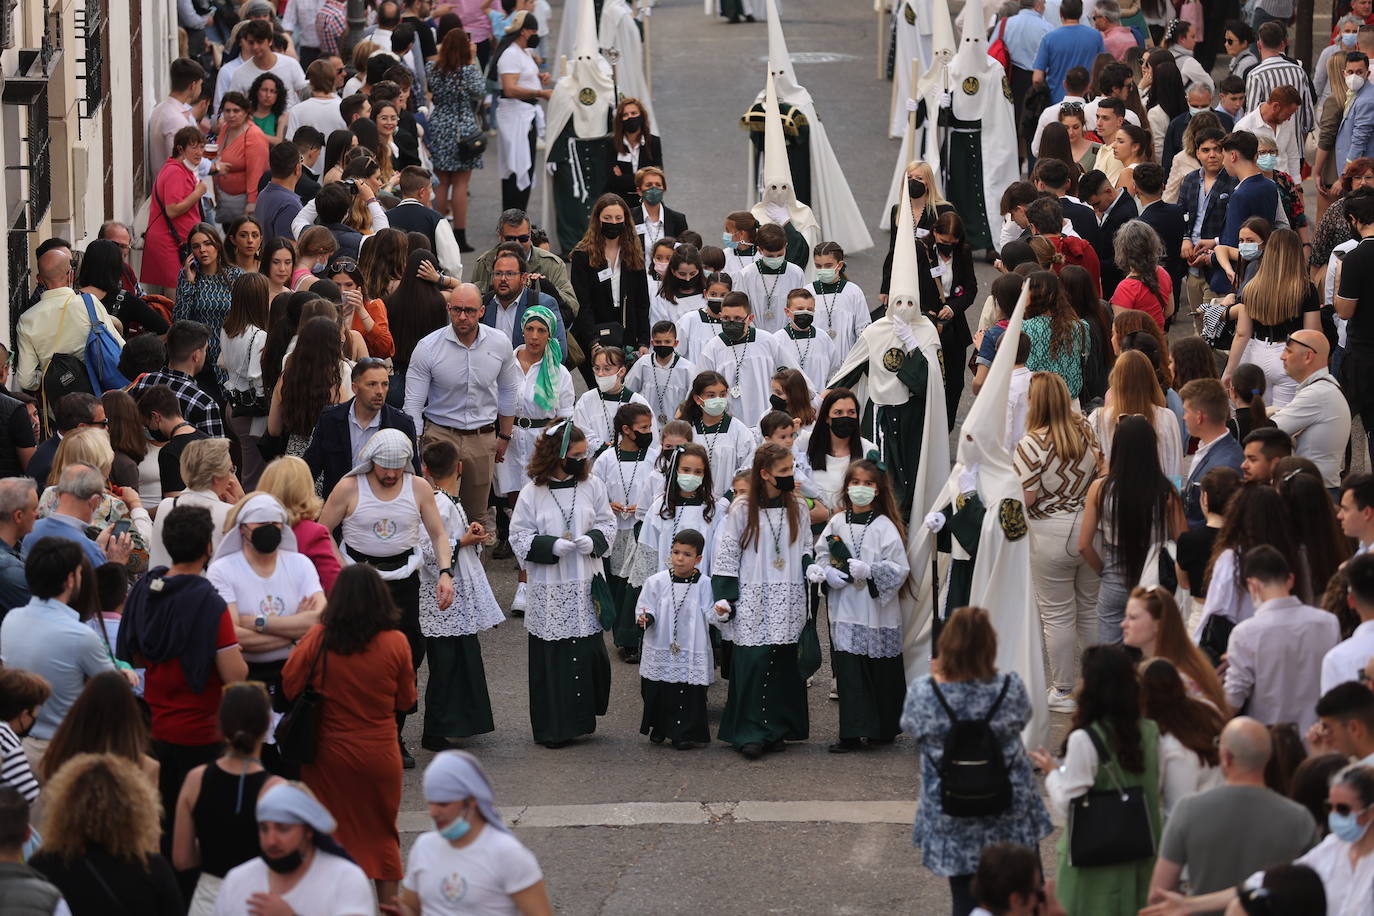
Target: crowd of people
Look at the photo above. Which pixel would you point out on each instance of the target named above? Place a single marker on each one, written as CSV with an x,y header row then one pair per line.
x,y
250,487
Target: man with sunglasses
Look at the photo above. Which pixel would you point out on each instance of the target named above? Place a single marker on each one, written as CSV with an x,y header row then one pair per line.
x,y
514,227
1318,417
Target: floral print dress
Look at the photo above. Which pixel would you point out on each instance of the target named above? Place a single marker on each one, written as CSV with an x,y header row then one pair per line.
x,y
456,96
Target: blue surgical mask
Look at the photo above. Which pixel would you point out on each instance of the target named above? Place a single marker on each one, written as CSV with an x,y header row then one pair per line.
x,y
773,263
1267,161
456,830
827,275
1346,826
727,241
1249,250
1197,111
1349,39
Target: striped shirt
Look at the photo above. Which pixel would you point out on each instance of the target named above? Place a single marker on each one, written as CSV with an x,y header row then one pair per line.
x,y
14,766
331,24
1276,71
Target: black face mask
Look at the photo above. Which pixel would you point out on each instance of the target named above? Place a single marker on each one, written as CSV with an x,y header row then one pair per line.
x,y
916,188
803,319
573,466
632,125
643,440
733,329
265,538
533,42
844,427
785,484
713,305
612,230
159,436
944,249
663,351
776,402
283,864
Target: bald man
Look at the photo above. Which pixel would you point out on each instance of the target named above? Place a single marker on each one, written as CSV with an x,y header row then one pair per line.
x,y
1225,834
42,330
1318,417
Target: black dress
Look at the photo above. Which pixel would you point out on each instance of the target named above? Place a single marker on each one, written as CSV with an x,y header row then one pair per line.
x,y
225,818
98,884
955,337
620,174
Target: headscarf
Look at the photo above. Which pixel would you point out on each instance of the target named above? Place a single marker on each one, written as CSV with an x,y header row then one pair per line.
x,y
546,382
260,508
388,448
457,775
293,803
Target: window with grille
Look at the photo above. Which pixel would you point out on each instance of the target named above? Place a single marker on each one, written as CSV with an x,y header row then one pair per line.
x,y
90,29
20,270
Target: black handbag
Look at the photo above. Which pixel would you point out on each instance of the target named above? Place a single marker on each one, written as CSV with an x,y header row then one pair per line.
x,y
250,402
298,732
1109,826
472,145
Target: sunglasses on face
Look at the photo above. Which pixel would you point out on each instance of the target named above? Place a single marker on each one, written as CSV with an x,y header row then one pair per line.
x,y
1294,342
522,239
1343,809
343,266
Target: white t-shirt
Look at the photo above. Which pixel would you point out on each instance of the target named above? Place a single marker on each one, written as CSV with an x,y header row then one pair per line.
x,y
479,878
279,595
515,60
321,114
332,886
286,68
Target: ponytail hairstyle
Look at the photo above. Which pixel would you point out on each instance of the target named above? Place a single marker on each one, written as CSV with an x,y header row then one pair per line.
x,y
1248,382
690,410
245,714
671,497
832,250
547,453
766,457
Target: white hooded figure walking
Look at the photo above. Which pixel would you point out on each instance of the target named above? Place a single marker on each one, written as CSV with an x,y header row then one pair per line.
x,y
929,91
779,204
619,31
912,38
829,196
988,528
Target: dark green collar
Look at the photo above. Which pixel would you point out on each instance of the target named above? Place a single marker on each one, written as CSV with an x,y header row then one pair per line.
x,y
720,427
707,317
800,335
765,269
828,288
694,577
859,518
566,483
622,396
691,500
636,455
750,336
776,503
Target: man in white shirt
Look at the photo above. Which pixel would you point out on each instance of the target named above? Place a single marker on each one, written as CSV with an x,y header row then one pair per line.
x,y
1075,87
321,110
1318,417
1346,722
1347,660
58,323
1274,118
256,37
1356,509
231,63
1274,670
299,20
174,112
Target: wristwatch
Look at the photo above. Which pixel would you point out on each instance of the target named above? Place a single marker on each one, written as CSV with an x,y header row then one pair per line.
x,y
260,623
448,570
503,437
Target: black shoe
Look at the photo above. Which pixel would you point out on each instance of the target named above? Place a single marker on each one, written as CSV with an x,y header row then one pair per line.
x,y
407,761
516,613
752,751
555,745
435,743
657,739
734,20
461,236
683,745
630,656
774,747
502,551
749,18
844,746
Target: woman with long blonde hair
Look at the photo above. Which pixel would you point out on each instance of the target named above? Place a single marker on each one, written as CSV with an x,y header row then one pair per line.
x,y
1134,391
1327,169
1057,461
1279,300
289,479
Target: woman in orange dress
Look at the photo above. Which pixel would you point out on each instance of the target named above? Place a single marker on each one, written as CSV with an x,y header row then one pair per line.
x,y
366,677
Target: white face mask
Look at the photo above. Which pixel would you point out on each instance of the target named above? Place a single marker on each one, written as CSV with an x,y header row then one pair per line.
x,y
607,383
1354,82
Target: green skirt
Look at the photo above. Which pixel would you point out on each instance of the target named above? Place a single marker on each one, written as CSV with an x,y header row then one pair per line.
x,y
570,685
767,698
676,712
456,701
872,691
627,633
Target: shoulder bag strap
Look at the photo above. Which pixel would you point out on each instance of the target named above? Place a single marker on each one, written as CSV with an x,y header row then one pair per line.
x,y
992,710
1105,760
104,886
943,703
157,198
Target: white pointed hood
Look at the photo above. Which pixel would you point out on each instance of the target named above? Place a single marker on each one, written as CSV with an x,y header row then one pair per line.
x,y
780,61
778,203
942,32
585,93
982,439
904,290
973,46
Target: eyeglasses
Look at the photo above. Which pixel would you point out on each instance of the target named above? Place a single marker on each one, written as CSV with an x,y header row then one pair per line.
x,y
506,274
516,238
1293,341
104,422
462,310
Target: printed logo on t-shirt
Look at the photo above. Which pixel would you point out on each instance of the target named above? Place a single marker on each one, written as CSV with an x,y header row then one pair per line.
x,y
384,528
453,887
270,605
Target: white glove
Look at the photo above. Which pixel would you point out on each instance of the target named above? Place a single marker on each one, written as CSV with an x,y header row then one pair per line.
x,y
946,100
816,573
859,570
722,608
934,521
564,548
968,479
584,544
834,578
904,333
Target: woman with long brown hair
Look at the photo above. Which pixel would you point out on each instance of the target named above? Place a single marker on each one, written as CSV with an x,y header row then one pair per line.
x,y
965,677
205,293
758,571
1131,146
312,379
1154,625
607,273
635,146
1057,460
416,308
561,527
105,719
1189,728
1134,391
1059,338
1257,516
456,89
241,343
1278,301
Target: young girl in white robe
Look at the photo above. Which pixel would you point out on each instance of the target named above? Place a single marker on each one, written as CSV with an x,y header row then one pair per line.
x,y
561,528
729,442
695,328
861,559
595,410
841,309
688,500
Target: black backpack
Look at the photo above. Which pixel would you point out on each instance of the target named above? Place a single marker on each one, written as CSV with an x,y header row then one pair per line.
x,y
973,775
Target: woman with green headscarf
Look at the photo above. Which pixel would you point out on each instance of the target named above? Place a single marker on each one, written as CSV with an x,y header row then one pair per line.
x,y
545,395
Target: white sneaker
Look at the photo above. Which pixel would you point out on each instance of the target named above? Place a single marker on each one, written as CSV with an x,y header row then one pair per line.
x,y
1061,702
519,604
834,688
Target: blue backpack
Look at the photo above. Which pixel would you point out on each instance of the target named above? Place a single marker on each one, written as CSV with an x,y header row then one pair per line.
x,y
102,354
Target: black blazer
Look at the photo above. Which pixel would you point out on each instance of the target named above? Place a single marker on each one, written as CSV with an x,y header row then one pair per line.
x,y
955,335
1122,212
1083,220
624,183
927,223
674,222
331,449
596,307
1171,225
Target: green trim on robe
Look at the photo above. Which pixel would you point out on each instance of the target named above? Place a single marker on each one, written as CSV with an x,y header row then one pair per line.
x,y
966,527
798,251
725,588
599,546
541,550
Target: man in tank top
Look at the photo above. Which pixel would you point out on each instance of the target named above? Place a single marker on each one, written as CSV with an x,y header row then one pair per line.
x,y
381,507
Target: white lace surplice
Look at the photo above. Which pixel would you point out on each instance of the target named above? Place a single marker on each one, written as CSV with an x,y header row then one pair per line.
x,y
860,623
772,602
692,663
